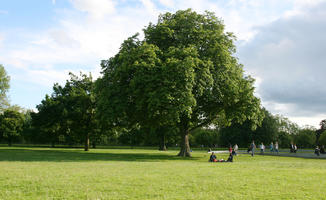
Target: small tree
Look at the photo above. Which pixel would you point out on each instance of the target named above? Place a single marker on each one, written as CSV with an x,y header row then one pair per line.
x,y
11,124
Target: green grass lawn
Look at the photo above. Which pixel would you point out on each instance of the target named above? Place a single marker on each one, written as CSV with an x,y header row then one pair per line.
x,y
44,173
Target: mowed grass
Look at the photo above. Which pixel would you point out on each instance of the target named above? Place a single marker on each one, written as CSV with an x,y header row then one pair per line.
x,y
45,173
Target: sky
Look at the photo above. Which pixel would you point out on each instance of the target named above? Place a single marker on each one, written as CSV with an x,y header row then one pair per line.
x,y
281,43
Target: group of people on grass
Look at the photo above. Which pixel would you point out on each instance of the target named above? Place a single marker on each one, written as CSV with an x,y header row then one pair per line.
x,y
273,148
213,158
233,151
293,148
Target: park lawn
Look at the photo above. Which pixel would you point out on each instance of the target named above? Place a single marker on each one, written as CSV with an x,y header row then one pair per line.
x,y
45,173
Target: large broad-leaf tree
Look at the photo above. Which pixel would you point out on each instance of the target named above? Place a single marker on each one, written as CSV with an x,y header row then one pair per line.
x,y
182,74
4,87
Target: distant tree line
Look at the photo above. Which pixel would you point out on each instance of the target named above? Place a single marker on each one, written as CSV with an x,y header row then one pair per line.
x,y
179,86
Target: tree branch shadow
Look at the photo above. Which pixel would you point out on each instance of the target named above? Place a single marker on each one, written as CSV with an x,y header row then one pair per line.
x,y
78,155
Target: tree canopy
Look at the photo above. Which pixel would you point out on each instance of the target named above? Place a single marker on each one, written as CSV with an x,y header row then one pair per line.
x,y
182,74
4,87
11,124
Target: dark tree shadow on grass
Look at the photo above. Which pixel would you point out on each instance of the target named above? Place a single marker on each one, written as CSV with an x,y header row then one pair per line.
x,y
76,155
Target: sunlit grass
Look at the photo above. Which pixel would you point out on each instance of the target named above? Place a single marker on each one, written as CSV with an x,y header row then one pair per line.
x,y
44,173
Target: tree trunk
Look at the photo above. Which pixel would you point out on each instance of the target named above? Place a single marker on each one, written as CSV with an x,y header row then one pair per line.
x,y
94,145
185,147
86,142
162,146
52,144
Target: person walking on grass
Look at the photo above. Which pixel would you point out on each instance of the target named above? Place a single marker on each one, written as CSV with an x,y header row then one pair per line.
x,y
295,148
252,148
271,147
262,148
235,149
276,147
291,148
317,151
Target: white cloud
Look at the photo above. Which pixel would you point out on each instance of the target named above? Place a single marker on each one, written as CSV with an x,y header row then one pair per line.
x,y
95,8
287,55
167,3
3,12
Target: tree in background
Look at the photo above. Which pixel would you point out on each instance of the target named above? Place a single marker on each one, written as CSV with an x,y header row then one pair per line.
x,y
69,112
321,130
322,139
242,133
306,138
11,124
183,74
205,137
49,119
4,87
80,108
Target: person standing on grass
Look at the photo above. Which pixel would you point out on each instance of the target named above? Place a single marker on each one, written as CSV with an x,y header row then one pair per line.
x,y
271,147
262,148
235,149
230,148
291,148
252,148
276,147
317,151
295,148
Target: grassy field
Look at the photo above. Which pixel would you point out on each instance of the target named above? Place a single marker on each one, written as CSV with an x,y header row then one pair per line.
x,y
44,173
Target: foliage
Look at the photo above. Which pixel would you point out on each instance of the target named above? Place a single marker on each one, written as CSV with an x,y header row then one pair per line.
x,y
69,112
322,139
286,126
11,124
306,138
243,134
183,74
4,87
321,130
205,137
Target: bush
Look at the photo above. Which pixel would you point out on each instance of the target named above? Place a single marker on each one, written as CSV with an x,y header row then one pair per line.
x,y
322,139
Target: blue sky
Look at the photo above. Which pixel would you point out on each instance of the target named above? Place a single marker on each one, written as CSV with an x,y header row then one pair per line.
x,y
280,43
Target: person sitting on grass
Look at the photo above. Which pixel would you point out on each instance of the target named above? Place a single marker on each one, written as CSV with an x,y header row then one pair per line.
x,y
212,158
322,149
317,151
230,159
